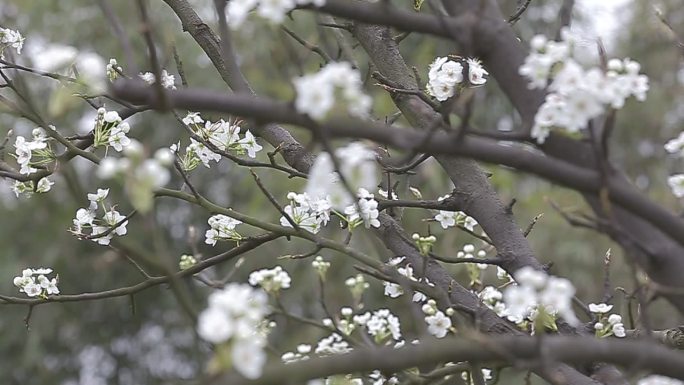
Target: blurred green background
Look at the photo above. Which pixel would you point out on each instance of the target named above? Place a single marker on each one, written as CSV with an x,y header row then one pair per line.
x,y
151,340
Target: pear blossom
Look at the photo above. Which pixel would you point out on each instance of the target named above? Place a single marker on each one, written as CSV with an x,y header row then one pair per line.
x,y
271,280
357,165
676,145
476,73
577,95
600,308
536,292
10,38
34,283
272,10
659,380
222,228
438,324
233,316
316,92
250,145
676,183
167,80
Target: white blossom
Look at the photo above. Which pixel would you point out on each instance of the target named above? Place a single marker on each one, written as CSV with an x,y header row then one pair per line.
x,y
659,380
222,228
676,183
10,38
271,280
272,10
676,145
167,80
316,92
600,308
438,324
357,165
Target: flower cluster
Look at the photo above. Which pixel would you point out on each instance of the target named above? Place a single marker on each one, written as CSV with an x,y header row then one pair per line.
x,y
321,266
364,211
110,130
394,290
316,92
104,229
186,261
224,136
381,324
34,152
448,219
167,81
272,10
607,325
307,213
357,285
113,69
445,76
576,95
271,280
142,175
34,282
333,344
222,228
540,298
424,243
10,38
233,320
439,323
302,354
357,166
659,380
676,182
44,185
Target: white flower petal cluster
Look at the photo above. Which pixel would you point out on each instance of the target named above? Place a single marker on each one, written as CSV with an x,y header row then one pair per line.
x,y
438,322
333,344
659,380
445,75
271,280
44,185
536,291
234,315
302,354
380,324
113,69
676,145
110,130
25,150
308,213
357,165
607,325
167,80
676,183
448,219
577,95
369,211
12,39
272,10
87,219
34,282
222,228
225,136
151,173
316,92
394,290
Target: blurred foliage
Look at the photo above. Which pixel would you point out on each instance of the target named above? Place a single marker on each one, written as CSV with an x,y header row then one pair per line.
x,y
150,338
